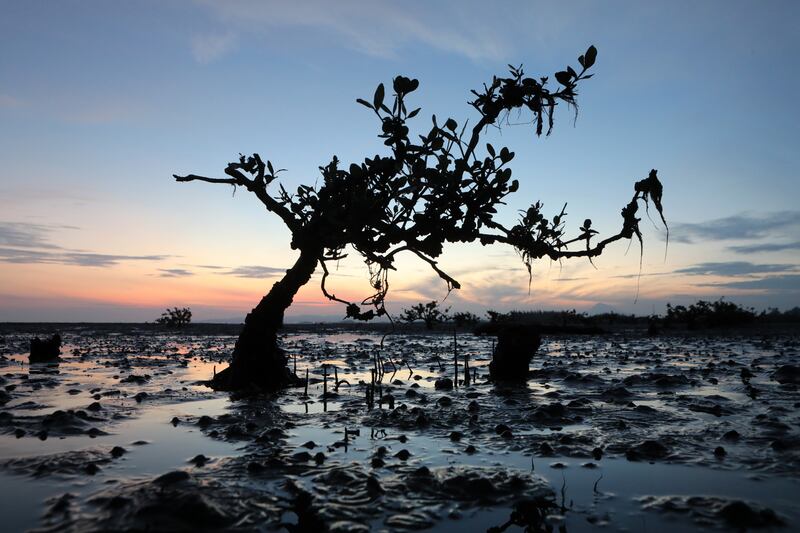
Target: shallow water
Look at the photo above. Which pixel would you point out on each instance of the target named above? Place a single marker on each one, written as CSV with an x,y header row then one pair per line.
x,y
616,431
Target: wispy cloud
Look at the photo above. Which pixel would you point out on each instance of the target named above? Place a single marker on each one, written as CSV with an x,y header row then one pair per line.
x,y
641,275
776,284
734,268
765,247
379,29
175,272
26,243
737,227
255,271
25,235
207,48
104,112
24,193
68,257
244,271
9,102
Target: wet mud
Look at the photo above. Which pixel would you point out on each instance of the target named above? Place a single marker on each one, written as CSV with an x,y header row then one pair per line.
x,y
622,432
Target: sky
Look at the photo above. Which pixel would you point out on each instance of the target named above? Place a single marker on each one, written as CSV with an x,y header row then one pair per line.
x,y
101,102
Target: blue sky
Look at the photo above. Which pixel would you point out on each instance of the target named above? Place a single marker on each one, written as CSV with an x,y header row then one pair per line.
x,y
100,102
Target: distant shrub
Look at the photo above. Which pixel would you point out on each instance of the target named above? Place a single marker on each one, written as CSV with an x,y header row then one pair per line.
x,y
462,319
175,317
430,313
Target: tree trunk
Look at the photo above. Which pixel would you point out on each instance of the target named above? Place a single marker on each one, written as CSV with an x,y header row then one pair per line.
x,y
516,346
257,361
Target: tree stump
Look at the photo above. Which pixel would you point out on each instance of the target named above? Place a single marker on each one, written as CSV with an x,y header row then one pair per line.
x,y
516,346
45,351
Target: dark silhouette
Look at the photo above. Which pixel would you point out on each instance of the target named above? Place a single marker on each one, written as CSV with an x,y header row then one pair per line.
x,y
429,313
438,187
465,319
45,351
531,514
175,318
516,346
519,336
705,314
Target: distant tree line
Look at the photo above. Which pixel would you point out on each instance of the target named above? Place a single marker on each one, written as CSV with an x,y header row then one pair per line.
x,y
699,315
705,314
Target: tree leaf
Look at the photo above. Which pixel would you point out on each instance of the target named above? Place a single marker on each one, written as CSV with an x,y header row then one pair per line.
x,y
591,56
563,78
377,100
364,103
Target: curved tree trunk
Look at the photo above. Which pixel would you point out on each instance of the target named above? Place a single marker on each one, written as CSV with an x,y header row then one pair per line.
x,y
257,360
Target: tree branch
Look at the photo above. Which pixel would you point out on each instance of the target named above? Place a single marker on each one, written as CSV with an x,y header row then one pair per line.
x,y
325,292
237,178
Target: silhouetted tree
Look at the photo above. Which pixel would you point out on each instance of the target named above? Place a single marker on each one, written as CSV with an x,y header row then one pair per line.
x,y
465,318
175,317
438,187
430,313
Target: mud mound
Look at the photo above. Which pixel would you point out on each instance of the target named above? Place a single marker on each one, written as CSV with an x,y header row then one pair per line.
x,y
713,511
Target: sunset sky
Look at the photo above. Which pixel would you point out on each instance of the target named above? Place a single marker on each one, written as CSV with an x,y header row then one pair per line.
x,y
101,102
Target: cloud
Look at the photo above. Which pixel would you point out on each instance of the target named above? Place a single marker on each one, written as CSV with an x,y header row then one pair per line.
x,y
641,275
20,195
776,284
25,235
103,112
175,272
245,271
26,243
741,226
9,102
69,257
380,29
734,268
208,48
255,271
765,247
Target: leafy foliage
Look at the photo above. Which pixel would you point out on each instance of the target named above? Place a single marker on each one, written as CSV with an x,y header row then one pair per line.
x,y
563,318
175,317
465,318
430,313
442,185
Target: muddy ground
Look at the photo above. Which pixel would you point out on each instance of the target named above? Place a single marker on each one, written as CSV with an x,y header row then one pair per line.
x,y
613,432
